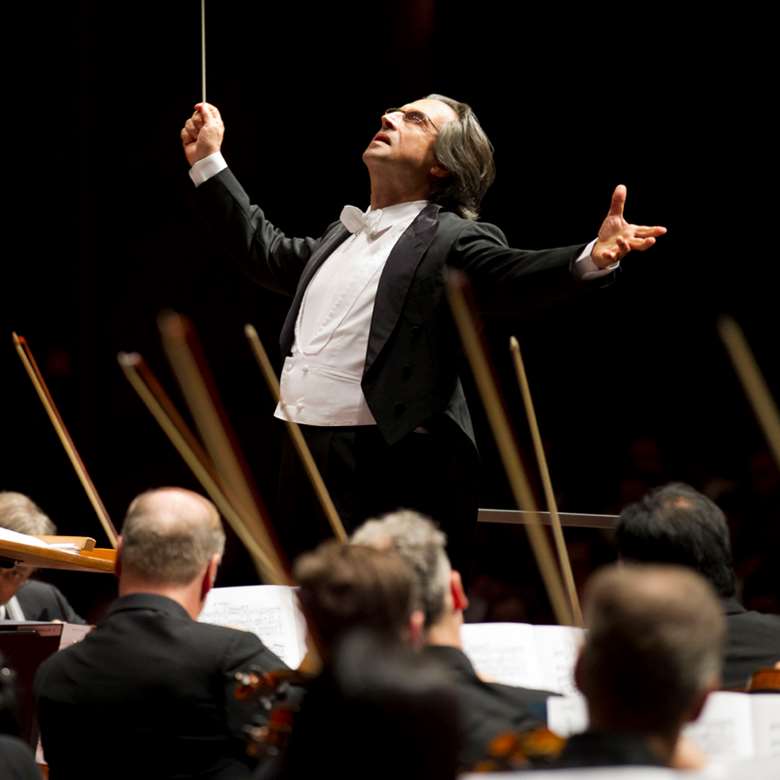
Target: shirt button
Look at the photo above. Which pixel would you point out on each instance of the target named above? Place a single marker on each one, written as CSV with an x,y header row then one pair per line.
x,y
305,369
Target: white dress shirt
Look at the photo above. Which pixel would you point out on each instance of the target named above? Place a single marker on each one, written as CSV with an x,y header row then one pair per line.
x,y
320,383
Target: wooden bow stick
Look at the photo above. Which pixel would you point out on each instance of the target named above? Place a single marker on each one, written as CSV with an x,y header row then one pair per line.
x,y
753,382
457,288
162,409
304,453
560,542
197,385
39,383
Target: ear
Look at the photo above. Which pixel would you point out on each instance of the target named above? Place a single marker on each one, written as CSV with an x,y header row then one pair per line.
x,y
120,543
417,628
699,701
460,601
209,576
438,171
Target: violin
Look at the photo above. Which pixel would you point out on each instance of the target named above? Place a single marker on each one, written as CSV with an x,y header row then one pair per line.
x,y
764,681
279,695
513,750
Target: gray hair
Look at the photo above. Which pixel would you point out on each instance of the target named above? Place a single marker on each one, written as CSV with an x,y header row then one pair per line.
x,y
169,536
422,546
654,643
21,514
466,152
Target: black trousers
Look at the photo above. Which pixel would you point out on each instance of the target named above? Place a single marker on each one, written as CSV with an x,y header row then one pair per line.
x,y
433,473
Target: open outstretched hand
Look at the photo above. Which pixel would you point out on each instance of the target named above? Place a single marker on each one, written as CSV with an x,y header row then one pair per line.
x,y
617,237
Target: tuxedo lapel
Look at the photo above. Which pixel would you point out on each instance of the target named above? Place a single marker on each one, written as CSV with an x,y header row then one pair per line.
x,y
396,277
329,243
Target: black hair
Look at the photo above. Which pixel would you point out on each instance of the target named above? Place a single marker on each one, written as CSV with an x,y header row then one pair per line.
x,y
676,524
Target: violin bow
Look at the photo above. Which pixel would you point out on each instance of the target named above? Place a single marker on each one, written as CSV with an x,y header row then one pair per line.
x,y
36,377
753,382
157,401
195,380
321,490
458,290
549,494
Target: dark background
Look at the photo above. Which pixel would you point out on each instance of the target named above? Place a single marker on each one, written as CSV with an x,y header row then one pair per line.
x,y
632,385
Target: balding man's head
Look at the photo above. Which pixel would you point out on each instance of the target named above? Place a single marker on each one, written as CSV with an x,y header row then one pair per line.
x,y
653,648
169,536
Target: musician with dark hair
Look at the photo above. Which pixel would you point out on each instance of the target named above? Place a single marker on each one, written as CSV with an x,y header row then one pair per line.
x,y
676,524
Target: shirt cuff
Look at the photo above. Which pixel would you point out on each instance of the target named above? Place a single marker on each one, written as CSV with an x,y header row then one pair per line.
x,y
209,166
584,267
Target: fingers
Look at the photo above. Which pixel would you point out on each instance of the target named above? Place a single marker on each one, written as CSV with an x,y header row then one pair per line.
x,y
641,245
645,231
618,201
207,113
187,137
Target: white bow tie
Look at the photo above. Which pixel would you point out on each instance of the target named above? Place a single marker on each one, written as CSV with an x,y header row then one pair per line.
x,y
355,220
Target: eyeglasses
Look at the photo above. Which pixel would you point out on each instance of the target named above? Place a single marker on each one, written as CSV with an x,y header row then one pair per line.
x,y
413,117
19,573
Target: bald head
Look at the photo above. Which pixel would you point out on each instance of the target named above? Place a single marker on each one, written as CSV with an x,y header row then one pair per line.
x,y
169,536
653,647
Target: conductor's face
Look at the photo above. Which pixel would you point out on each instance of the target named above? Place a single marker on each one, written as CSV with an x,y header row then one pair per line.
x,y
407,137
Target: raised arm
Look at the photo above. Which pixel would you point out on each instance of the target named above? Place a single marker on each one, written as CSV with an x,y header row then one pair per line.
x,y
240,229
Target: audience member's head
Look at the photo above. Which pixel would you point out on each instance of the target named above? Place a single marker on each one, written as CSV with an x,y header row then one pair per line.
x,y
21,514
423,546
172,541
676,524
343,587
653,649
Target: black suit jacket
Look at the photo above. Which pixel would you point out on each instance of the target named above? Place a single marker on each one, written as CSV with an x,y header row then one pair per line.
x,y
411,371
594,749
41,601
752,642
148,693
487,709
16,760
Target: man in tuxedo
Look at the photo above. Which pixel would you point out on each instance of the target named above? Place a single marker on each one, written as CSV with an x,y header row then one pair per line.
x,y
677,524
652,655
20,597
486,710
370,352
151,688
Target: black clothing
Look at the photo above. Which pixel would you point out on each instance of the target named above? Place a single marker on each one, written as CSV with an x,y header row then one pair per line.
x,y
752,642
41,601
593,749
151,690
487,709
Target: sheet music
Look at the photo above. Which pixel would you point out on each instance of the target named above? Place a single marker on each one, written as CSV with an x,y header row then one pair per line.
x,y
7,535
766,723
724,728
72,633
567,715
559,647
523,654
503,652
270,612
